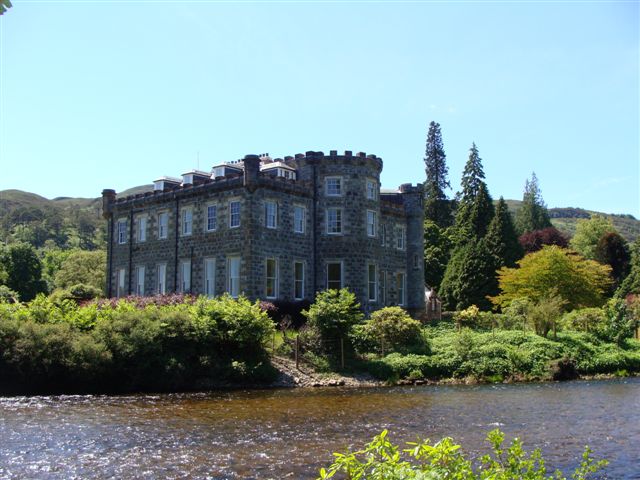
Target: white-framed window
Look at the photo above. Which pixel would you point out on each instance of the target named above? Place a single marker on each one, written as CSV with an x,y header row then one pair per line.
x,y
383,234
140,271
401,238
210,277
371,190
372,282
270,214
163,225
333,186
218,172
185,276
401,286
120,277
234,214
298,280
141,226
233,276
271,277
372,223
334,221
383,287
161,278
122,231
299,218
334,275
211,223
187,221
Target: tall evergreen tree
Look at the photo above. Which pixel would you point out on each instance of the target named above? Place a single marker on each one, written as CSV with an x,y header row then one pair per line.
x,y
475,206
469,278
532,214
501,239
436,205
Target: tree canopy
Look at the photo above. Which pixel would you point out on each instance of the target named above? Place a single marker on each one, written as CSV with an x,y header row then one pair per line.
x,y
535,240
436,204
23,270
588,234
532,214
475,207
554,271
501,239
469,278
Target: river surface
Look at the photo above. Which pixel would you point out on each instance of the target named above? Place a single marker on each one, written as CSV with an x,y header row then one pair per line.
x,y
291,433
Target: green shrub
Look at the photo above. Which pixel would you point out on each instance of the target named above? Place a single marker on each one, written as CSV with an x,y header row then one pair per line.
x,y
333,313
8,296
389,328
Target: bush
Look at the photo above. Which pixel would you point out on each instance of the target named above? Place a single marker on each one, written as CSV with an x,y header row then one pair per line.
x,y
7,295
394,327
132,345
584,319
333,313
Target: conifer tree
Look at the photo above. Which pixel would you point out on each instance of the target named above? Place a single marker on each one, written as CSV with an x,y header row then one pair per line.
x,y
436,205
469,278
532,214
501,239
475,207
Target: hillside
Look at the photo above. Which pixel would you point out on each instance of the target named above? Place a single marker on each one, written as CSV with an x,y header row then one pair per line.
x,y
565,220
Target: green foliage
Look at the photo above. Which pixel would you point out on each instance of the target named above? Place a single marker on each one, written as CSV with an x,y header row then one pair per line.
x,y
554,271
631,284
501,239
588,234
613,250
382,460
83,267
8,295
469,278
58,346
584,319
506,353
391,327
333,313
436,206
467,317
532,214
437,251
475,207
544,314
23,270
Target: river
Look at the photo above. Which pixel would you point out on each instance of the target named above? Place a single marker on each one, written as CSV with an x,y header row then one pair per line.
x,y
291,433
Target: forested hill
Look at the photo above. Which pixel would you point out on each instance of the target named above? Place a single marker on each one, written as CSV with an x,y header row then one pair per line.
x,y
64,222
76,222
565,219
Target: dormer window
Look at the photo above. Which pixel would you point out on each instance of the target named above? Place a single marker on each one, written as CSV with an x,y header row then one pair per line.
x,y
187,179
218,172
333,186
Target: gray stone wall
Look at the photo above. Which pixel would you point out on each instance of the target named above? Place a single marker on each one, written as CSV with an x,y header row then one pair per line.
x,y
254,243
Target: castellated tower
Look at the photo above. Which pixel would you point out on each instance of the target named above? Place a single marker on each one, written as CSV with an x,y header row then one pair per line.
x,y
274,229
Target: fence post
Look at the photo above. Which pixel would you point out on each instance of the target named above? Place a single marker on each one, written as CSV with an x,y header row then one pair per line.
x,y
273,344
342,352
297,348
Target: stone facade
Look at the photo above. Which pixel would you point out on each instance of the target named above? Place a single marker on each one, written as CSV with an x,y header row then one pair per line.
x,y
315,222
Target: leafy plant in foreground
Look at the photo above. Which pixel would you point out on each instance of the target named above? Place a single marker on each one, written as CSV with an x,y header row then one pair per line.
x,y
382,460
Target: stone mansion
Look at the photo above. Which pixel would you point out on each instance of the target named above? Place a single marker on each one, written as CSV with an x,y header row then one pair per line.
x,y
273,229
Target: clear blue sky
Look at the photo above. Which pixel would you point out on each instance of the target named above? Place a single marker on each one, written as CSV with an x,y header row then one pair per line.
x,y
106,94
